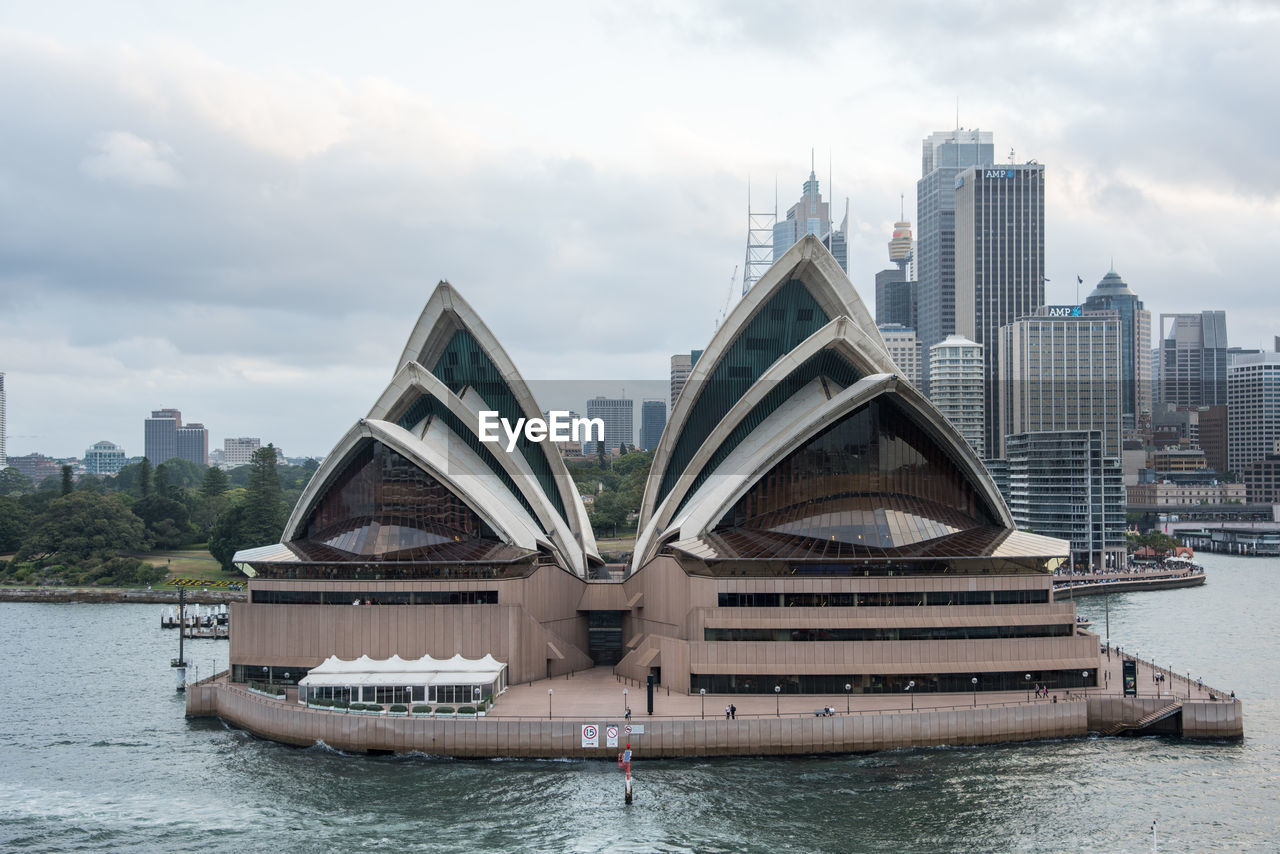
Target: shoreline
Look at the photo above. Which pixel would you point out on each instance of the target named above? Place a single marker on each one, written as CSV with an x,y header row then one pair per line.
x,y
109,595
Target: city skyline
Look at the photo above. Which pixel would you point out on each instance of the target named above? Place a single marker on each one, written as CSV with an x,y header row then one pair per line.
x,y
187,209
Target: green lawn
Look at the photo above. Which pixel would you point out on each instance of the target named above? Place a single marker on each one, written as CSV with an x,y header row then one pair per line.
x,y
192,562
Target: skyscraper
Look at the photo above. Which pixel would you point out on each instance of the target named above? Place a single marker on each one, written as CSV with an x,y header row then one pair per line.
x,y
904,349
619,426
653,417
239,451
999,256
193,444
1193,359
1063,484
160,435
955,368
811,215
1112,294
945,155
896,286
4,461
1253,409
681,366
1059,373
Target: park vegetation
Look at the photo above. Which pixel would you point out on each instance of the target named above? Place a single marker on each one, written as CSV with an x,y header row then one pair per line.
x,y
98,530
616,488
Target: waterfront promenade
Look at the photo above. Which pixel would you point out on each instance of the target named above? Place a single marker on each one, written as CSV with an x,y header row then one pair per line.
x,y
528,721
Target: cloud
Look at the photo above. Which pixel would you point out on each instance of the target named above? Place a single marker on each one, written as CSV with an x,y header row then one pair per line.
x,y
129,159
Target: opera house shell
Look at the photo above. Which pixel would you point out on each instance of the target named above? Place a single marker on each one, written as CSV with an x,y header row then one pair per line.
x,y
811,524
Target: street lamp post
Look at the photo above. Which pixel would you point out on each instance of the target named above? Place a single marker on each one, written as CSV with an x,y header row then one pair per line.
x,y
911,685
624,701
777,700
1028,681
475,696
549,704
703,693
974,682
1084,674
847,689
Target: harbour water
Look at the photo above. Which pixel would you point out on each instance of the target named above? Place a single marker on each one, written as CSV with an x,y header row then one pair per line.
x,y
96,755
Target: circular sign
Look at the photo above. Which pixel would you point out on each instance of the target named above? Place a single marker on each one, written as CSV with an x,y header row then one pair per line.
x,y
611,732
588,731
627,729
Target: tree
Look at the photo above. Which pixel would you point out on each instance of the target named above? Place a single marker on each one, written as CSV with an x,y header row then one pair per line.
x,y
144,477
81,526
14,522
13,481
215,482
160,479
68,480
167,521
259,519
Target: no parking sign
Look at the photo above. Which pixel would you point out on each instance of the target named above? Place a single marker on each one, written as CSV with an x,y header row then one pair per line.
x,y
590,735
611,735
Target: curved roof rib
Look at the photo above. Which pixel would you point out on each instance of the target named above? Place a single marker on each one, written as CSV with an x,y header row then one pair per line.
x,y
744,469
451,342
445,457
416,397
800,294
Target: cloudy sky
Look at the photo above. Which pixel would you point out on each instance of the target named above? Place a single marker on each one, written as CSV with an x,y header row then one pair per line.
x,y
239,213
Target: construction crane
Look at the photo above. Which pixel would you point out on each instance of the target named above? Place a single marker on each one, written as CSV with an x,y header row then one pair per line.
x,y
733,278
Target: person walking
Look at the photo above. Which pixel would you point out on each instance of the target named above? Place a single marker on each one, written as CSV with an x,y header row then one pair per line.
x,y
727,710
733,712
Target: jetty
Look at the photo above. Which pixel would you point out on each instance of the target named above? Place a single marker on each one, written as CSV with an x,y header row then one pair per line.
x,y
1173,575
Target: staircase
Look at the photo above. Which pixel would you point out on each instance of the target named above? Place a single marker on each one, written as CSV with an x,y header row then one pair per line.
x,y
1145,721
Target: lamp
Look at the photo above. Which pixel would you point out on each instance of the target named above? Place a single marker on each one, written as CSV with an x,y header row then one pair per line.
x,y
777,700
974,682
847,689
548,704
703,692
911,685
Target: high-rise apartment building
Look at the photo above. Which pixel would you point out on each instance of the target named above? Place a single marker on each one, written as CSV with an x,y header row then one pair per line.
x,y
1193,359
619,426
104,458
1063,484
1113,294
653,418
904,349
3,426
811,215
955,387
945,155
1059,370
193,443
160,435
239,452
1253,409
681,366
999,257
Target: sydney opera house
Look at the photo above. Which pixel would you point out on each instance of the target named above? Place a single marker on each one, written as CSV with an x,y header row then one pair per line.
x,y
810,522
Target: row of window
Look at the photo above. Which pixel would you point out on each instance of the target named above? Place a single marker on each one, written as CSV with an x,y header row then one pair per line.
x,y
913,633
890,683
883,599
354,597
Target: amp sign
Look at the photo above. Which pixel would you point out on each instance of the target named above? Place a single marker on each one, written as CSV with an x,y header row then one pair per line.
x,y
1063,311
999,173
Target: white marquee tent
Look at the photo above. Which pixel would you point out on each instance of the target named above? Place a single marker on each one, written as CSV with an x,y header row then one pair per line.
x,y
426,679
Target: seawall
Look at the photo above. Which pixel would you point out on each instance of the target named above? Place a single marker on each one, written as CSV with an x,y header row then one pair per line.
x,y
98,595
495,736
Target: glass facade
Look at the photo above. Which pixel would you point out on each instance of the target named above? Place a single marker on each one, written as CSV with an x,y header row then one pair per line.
x,y
379,597
889,683
463,364
382,506
909,633
874,481
790,316
873,599
826,364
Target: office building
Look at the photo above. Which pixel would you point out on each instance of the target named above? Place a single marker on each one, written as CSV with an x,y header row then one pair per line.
x,y
1113,294
904,349
956,388
105,458
239,452
811,215
999,256
1059,370
653,417
1064,484
36,467
160,435
1262,479
681,365
945,155
1253,409
1213,435
619,424
1193,359
193,443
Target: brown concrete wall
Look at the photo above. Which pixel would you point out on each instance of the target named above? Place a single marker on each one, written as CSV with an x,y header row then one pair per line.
x,y
1200,718
483,737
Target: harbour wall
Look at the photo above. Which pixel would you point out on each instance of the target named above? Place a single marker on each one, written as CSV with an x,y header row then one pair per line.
x,y
98,595
291,723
